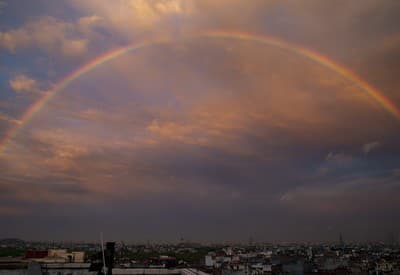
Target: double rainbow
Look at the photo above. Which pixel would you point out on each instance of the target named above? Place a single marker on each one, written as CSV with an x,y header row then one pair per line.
x,y
218,34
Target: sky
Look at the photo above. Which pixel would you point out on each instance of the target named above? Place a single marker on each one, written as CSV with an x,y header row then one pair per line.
x,y
156,120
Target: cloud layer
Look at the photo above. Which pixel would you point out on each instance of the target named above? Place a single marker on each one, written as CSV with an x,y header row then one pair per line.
x,y
209,138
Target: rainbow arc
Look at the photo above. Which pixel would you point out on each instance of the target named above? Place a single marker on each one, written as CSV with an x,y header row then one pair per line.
x,y
214,34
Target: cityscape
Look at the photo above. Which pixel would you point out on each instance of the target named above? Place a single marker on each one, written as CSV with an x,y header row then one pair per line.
x,y
195,258
199,137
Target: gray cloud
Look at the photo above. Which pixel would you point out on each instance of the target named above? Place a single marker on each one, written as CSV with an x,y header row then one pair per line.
x,y
228,135
339,158
2,6
346,197
368,147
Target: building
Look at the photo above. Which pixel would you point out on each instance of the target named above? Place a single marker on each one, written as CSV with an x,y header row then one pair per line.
x,y
36,254
68,257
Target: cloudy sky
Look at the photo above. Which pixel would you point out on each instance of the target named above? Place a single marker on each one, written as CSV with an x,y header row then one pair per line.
x,y
207,137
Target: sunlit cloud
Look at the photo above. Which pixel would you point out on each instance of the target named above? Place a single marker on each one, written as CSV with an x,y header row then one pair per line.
x,y
54,36
24,84
7,118
137,18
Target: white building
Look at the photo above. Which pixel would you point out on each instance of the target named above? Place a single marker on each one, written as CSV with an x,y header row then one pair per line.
x,y
67,257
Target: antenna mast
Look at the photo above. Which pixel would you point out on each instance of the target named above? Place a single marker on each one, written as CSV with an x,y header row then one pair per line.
x,y
102,251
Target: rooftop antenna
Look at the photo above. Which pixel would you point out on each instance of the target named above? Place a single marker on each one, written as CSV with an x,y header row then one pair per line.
x,y
102,251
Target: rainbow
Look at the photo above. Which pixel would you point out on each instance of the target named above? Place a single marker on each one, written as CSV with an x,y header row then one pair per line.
x,y
63,83
215,34
316,57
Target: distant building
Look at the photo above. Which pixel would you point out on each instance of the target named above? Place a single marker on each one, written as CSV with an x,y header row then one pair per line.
x,y
36,254
55,256
68,257
209,262
164,261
